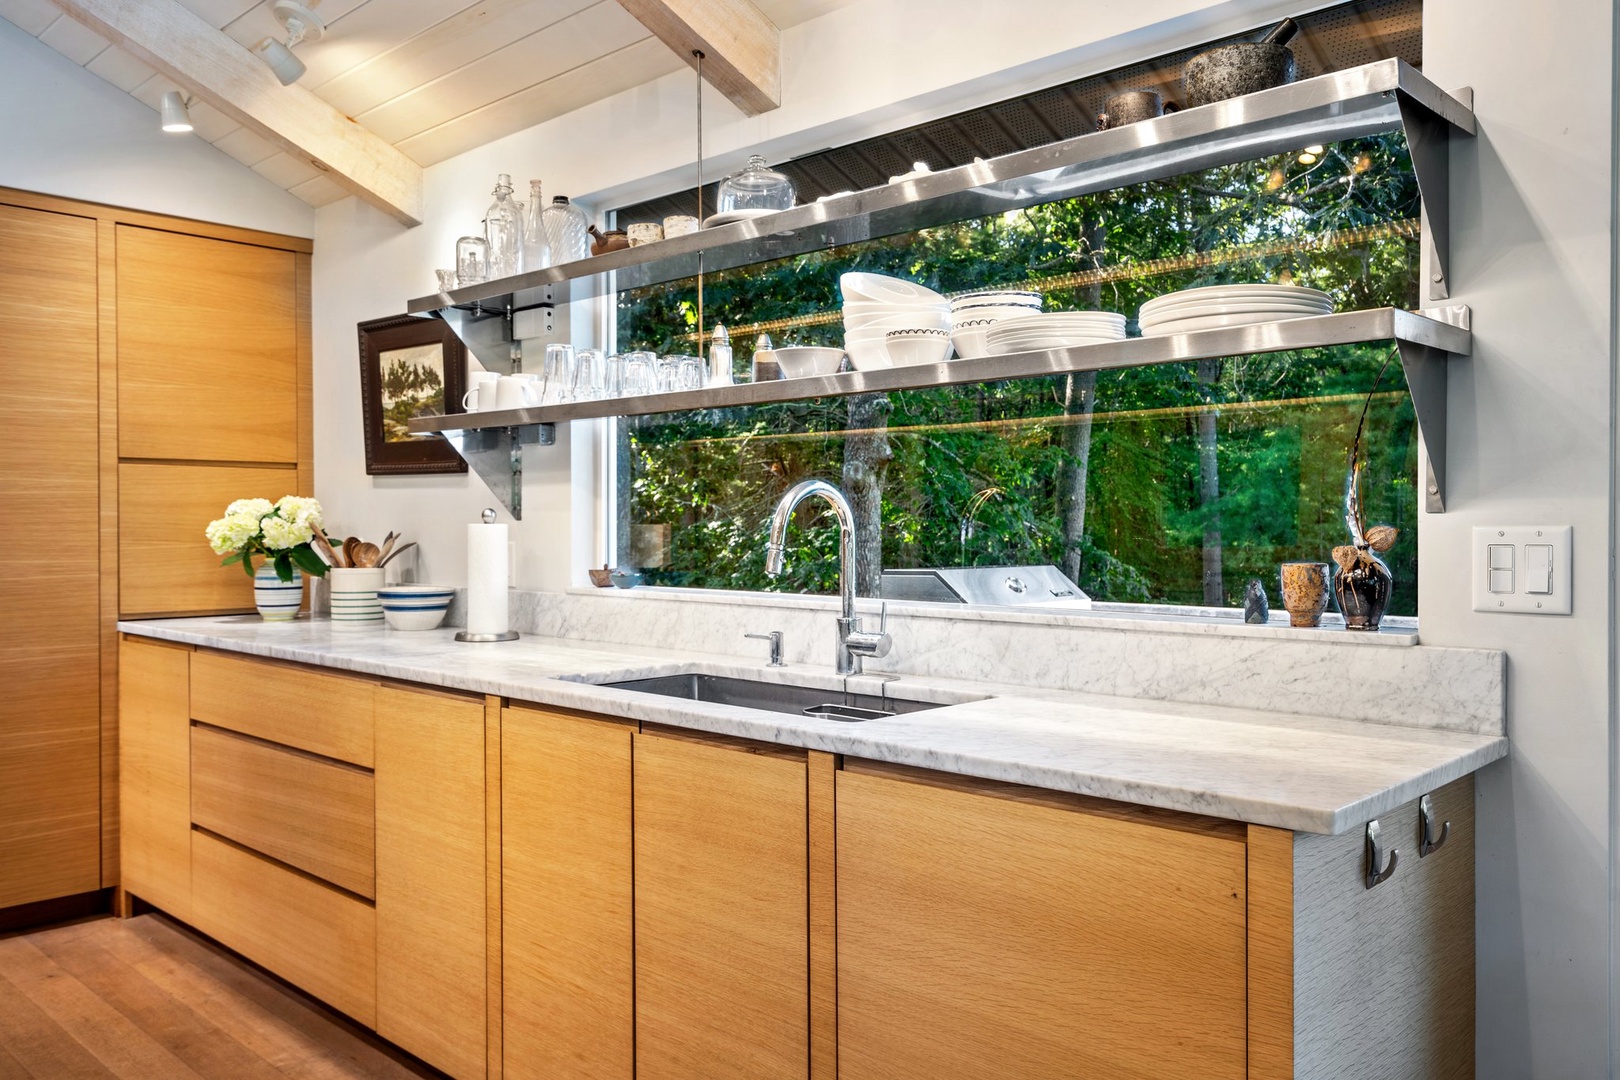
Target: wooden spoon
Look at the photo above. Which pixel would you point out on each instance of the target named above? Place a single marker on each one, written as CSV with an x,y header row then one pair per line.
x,y
348,550
323,548
396,553
366,553
387,545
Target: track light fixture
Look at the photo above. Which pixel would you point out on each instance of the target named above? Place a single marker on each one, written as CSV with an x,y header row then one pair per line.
x,y
176,117
302,24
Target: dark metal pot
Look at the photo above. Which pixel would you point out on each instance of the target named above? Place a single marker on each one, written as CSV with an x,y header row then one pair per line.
x,y
1230,71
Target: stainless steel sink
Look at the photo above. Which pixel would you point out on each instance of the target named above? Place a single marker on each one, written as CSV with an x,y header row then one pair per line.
x,y
774,697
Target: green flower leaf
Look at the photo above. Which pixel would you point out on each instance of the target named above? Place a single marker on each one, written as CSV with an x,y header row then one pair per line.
x,y
309,562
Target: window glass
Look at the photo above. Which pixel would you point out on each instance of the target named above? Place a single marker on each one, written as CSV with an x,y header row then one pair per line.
x,y
1171,484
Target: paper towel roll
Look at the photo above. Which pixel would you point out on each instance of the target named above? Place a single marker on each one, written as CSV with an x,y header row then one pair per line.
x,y
486,579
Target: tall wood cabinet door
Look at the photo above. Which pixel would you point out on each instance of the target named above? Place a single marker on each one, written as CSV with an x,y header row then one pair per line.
x,y
430,877
207,332
722,934
165,565
50,755
982,935
568,967
154,780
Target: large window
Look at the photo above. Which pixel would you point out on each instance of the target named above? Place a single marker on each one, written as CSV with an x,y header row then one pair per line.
x,y
1170,484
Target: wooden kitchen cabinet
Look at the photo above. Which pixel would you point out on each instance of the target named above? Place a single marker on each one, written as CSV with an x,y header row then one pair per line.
x,y
154,747
431,929
568,930
722,897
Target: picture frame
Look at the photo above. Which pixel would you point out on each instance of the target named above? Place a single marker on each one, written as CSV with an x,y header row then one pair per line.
x,y
409,366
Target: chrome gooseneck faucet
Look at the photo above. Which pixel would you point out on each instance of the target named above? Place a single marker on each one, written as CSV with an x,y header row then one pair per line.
x,y
853,642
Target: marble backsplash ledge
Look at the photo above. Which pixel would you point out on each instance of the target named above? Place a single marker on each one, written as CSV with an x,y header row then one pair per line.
x,y
1321,675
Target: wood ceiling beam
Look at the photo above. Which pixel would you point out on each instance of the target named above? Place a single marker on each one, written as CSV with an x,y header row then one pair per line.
x,y
217,69
742,48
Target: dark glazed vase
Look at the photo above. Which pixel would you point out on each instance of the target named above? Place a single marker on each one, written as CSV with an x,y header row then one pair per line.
x,y
1362,592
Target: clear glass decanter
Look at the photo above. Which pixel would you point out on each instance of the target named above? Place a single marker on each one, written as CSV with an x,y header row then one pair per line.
x,y
536,250
503,230
757,187
566,231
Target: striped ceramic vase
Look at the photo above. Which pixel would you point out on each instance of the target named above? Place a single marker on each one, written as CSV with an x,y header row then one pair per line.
x,y
355,604
277,600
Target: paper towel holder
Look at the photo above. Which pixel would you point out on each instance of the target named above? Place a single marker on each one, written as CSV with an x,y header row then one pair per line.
x,y
488,518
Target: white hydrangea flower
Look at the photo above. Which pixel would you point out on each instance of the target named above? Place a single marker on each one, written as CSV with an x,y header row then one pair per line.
x,y
232,531
257,507
302,510
281,534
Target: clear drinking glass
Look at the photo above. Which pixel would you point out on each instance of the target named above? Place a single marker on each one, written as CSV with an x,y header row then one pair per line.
x,y
667,369
587,384
613,376
558,374
472,260
689,374
447,280
640,374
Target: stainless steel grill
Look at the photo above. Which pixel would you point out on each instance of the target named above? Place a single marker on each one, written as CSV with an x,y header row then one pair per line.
x,y
1043,587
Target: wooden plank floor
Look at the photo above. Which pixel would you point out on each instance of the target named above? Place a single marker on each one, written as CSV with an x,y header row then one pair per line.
x,y
145,999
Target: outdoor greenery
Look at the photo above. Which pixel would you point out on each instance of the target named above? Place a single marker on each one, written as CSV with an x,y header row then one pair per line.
x,y
1173,483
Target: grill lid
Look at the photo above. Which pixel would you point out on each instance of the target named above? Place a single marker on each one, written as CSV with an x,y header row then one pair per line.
x,y
992,586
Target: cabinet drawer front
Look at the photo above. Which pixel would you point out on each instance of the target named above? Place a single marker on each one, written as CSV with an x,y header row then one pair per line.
x,y
317,815
315,937
984,936
324,714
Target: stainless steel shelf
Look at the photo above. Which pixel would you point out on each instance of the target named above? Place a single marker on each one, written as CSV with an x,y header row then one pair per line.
x,y
1366,100
490,440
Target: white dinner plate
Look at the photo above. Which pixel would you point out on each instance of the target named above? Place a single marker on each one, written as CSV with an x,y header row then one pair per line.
x,y
1230,307
1218,322
1237,293
731,217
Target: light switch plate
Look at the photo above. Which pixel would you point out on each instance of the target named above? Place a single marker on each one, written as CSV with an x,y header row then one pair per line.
x,y
1525,587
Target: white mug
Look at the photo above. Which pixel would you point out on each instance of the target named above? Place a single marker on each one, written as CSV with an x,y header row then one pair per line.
x,y
515,392
471,401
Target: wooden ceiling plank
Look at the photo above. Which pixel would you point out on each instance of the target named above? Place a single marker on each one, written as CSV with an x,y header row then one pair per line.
x,y
181,45
742,48
31,16
119,68
73,40
356,30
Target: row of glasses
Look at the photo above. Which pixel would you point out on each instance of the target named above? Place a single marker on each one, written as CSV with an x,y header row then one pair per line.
x,y
587,375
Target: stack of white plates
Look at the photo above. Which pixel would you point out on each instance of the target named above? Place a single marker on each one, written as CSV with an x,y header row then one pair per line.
x,y
876,305
1217,306
1054,330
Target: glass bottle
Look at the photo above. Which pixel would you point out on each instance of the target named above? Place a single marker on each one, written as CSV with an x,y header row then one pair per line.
x,y
566,233
472,260
536,252
757,187
720,357
766,367
503,230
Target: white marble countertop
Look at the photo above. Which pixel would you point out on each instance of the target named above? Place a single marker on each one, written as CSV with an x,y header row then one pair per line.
x,y
1305,773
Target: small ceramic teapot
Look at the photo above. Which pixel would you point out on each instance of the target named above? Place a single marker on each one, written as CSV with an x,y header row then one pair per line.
x,y
604,242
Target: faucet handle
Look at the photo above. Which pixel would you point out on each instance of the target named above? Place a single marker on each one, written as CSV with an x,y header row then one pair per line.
x,y
775,638
870,643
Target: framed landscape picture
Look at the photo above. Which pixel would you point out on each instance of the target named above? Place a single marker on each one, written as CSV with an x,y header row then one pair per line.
x,y
409,367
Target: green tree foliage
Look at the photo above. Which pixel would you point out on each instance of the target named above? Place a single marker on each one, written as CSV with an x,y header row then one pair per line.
x,y
1283,421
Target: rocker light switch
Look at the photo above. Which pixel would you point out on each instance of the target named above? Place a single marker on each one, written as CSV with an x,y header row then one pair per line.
x,y
1524,569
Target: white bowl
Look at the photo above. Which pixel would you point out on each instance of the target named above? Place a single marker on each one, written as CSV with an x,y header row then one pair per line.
x,y
1020,297
882,287
968,338
867,354
908,348
415,618
1000,311
917,320
805,361
415,591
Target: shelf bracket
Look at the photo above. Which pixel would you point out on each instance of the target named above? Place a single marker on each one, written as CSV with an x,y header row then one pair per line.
x,y
496,455
1428,140
1425,368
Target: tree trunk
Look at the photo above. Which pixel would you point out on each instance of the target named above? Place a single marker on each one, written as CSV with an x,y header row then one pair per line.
x,y
1209,486
1079,400
866,457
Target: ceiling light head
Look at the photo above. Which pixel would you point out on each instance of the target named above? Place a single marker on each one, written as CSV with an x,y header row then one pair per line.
x,y
280,59
300,20
176,118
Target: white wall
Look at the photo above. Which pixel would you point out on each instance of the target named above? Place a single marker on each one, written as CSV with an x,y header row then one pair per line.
x,y
65,131
1530,413
1530,443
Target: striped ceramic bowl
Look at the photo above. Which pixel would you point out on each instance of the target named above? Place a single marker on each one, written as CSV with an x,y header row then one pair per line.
x,y
415,607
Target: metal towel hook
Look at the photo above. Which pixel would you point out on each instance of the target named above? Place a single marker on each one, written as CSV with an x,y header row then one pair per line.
x,y
1427,841
1376,870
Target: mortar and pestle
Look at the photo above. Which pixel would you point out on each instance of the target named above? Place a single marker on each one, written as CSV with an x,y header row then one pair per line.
x,y
1229,71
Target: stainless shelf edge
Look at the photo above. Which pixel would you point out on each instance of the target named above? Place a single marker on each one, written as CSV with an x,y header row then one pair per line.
x,y
1345,328
1339,104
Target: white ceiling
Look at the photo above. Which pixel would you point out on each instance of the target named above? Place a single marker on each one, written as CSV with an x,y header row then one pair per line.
x,y
433,77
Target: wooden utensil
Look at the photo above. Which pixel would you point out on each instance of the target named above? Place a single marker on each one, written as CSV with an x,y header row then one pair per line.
x,y
396,553
323,548
348,550
366,553
387,545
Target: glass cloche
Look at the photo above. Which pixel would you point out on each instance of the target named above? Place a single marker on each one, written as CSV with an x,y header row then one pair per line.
x,y
758,187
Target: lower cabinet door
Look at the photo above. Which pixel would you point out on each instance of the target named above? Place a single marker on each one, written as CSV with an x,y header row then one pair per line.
x,y
154,775
316,937
431,917
981,935
568,967
722,936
